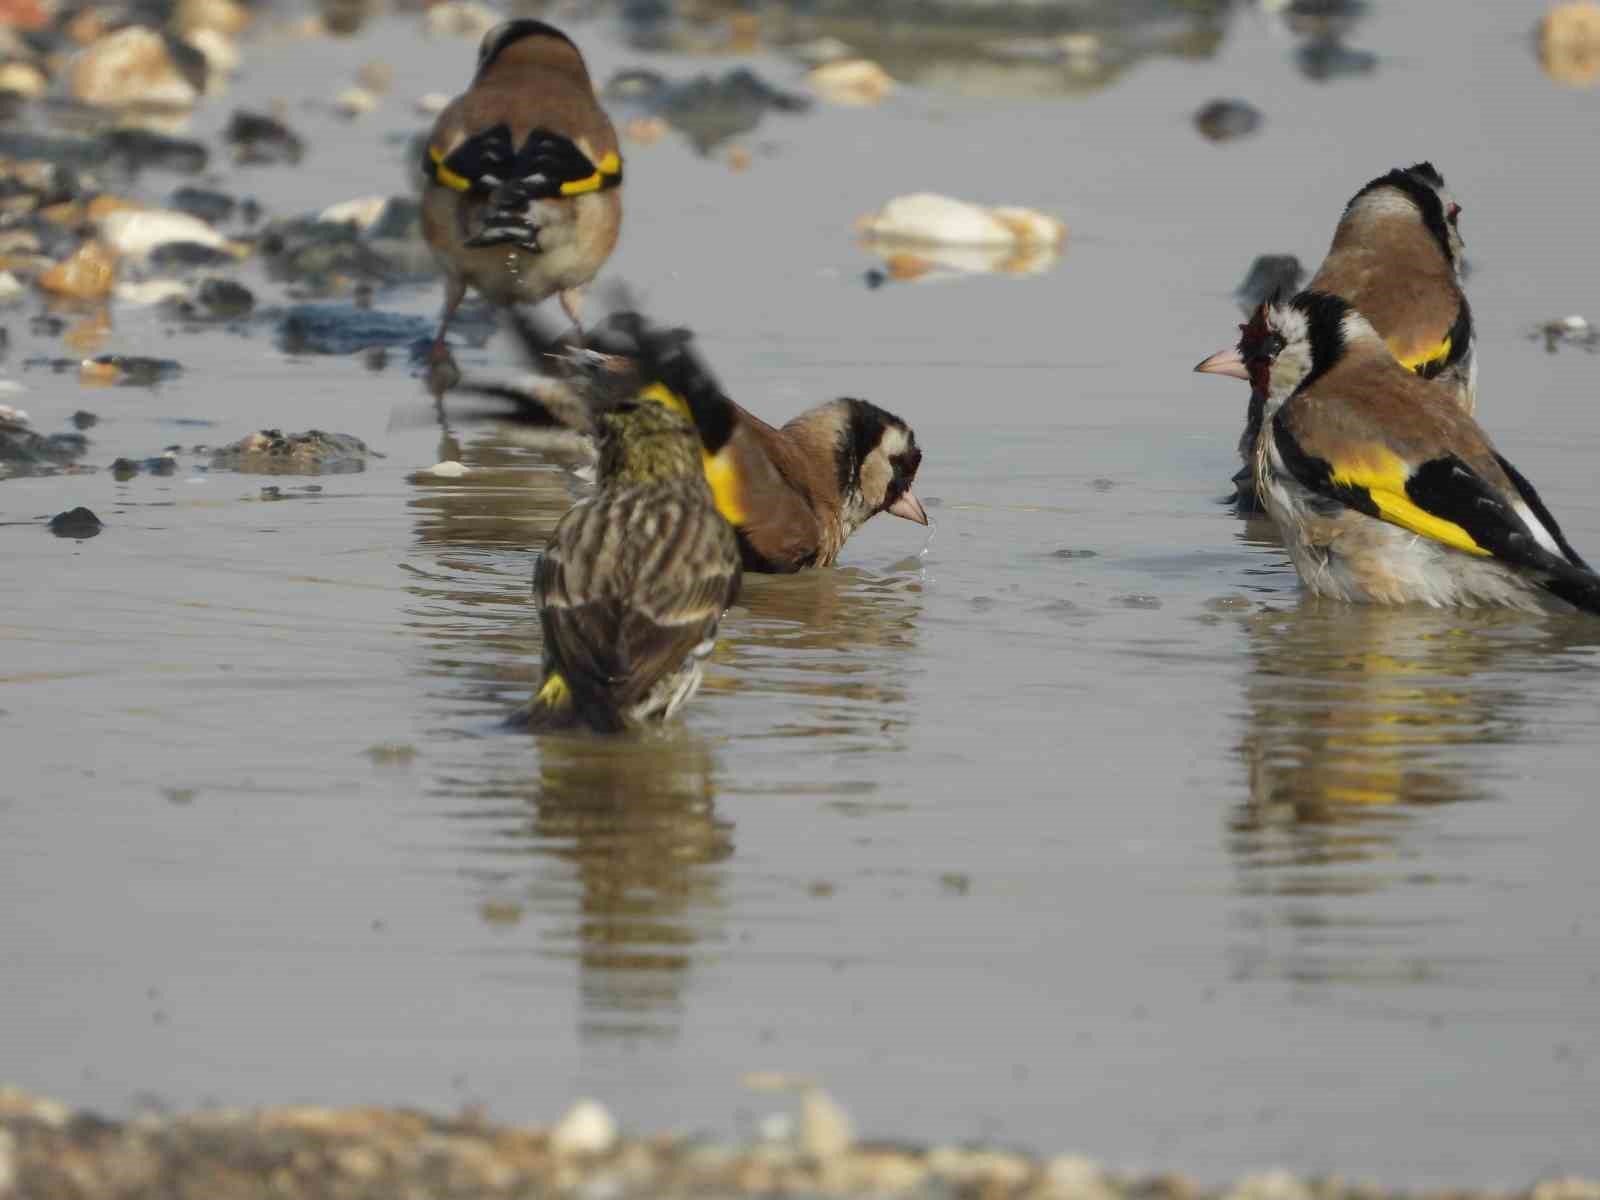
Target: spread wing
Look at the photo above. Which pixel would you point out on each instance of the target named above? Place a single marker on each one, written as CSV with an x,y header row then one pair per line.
x,y
630,585
1461,494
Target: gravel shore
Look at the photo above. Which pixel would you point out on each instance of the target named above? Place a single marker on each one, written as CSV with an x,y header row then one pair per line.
x,y
50,1152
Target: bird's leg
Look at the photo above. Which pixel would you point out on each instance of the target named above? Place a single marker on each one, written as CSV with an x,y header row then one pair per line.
x,y
572,305
443,374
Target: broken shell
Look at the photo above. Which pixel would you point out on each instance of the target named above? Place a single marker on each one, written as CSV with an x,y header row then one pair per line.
x,y
87,275
852,81
131,66
927,217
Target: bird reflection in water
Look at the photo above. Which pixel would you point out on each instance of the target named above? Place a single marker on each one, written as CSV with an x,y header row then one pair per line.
x,y
635,821
1358,715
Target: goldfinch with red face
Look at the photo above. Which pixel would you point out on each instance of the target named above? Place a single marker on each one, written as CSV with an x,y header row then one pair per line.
x,y
522,177
1385,490
634,581
1397,257
793,493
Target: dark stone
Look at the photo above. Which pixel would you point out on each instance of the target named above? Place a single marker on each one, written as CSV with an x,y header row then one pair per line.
x,y
84,420
179,255
79,523
139,371
212,207
258,138
1224,120
223,299
1270,276
345,329
139,149
1322,59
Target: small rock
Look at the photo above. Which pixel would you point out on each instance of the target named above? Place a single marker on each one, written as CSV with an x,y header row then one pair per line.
x,y
460,18
223,16
180,256
355,102
345,329
1073,1177
150,292
136,233
135,65
129,370
272,452
1269,275
224,300
1270,1185
1568,1188
431,104
1322,59
1224,120
376,77
209,206
1574,330
78,523
11,289
221,53
586,1129
259,138
84,420
825,1130
447,470
88,275
1569,43
857,82
137,149
24,79
927,217
363,212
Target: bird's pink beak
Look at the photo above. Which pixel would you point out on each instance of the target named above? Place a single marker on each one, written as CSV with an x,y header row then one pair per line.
x,y
909,507
1226,362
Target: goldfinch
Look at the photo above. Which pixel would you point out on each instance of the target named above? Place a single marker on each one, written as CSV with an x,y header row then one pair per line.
x,y
1397,257
522,178
634,580
793,494
1384,489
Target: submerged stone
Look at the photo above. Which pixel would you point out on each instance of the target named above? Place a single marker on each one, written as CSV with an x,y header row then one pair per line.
x,y
77,523
259,138
272,452
1224,120
345,329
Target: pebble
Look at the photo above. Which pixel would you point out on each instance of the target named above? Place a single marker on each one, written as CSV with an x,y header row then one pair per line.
x,y
587,1128
88,275
260,138
24,79
355,102
927,217
135,65
1270,1185
77,523
431,104
128,370
446,470
1224,120
460,18
221,53
825,1129
150,291
1569,43
11,289
221,16
210,206
856,82
363,212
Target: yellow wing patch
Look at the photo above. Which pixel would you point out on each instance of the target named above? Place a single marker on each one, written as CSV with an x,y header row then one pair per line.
x,y
1382,475
555,693
723,477
1419,360
610,167
443,174
721,474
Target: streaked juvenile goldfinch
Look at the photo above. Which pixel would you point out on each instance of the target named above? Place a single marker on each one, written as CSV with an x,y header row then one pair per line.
x,y
1384,489
793,494
522,177
634,580
1397,258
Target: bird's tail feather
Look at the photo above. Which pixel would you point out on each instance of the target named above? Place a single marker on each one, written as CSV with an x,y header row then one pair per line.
x,y
1578,587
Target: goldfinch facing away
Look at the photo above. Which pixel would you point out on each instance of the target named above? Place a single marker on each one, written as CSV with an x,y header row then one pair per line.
x,y
1384,489
794,494
522,195
634,581
1397,258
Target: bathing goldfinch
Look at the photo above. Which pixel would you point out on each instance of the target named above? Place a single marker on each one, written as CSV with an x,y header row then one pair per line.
x,y
522,177
1384,489
1397,257
793,493
634,581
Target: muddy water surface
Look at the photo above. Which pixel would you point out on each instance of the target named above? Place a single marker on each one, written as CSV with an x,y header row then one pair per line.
x,y
1070,824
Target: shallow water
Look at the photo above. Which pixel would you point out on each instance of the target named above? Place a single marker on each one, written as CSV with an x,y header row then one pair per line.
x,y
1070,824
